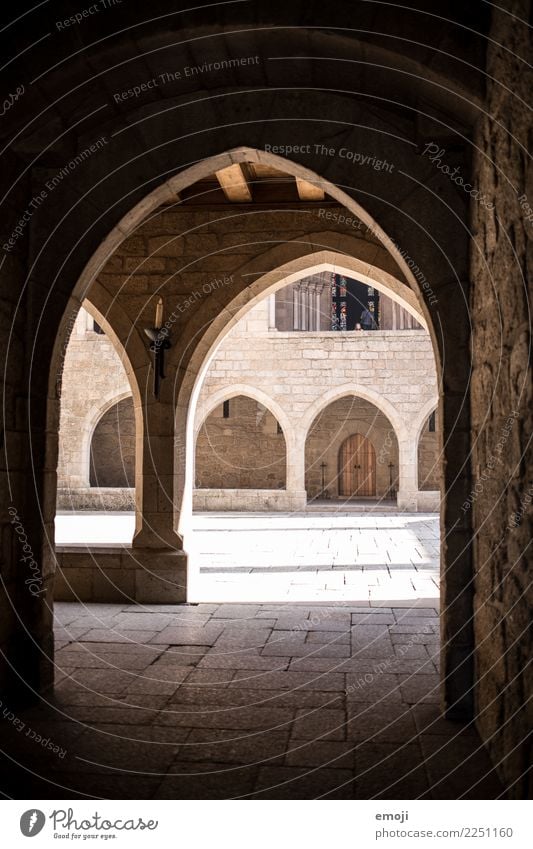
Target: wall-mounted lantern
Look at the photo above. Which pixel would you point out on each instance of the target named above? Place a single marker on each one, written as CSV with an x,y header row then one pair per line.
x,y
159,343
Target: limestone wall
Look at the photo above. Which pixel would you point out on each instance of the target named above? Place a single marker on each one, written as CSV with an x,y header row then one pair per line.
x,y
329,430
502,409
94,380
323,386
112,450
429,457
299,370
243,451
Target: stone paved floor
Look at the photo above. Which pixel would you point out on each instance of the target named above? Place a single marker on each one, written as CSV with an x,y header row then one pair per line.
x,y
320,555
317,556
244,700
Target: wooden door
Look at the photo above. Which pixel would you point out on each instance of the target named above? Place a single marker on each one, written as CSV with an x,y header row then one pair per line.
x,y
357,466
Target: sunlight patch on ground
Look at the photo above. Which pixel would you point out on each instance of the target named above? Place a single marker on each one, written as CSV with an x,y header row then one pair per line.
x,y
325,556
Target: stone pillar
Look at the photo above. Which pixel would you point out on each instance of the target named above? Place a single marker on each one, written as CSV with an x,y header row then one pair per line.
x,y
296,470
272,312
153,570
408,474
296,308
318,296
157,546
304,306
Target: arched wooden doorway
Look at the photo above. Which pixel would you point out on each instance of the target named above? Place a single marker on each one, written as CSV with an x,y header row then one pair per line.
x,y
357,467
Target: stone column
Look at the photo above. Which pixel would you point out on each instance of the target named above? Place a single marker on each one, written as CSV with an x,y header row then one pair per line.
x,y
272,312
317,294
304,306
408,474
296,308
157,547
296,493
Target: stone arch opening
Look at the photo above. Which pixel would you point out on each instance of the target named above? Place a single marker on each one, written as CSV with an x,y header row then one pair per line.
x,y
408,109
331,452
240,453
96,377
268,271
95,416
429,451
112,447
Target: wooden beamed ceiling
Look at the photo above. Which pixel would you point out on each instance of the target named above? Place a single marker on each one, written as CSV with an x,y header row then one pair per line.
x,y
252,182
309,191
234,184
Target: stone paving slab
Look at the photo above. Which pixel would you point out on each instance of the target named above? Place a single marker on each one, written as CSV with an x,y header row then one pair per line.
x,y
321,753
177,718
297,783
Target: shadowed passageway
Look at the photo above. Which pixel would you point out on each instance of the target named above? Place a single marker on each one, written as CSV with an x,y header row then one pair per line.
x,y
255,701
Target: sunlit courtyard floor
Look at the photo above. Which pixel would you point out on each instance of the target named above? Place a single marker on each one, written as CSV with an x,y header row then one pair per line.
x,y
318,555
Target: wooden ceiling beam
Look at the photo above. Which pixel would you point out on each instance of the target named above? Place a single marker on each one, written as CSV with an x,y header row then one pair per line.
x,y
234,184
309,191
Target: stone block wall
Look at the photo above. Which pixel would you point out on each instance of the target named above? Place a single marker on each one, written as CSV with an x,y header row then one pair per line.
x,y
429,458
329,430
113,447
294,370
243,451
502,405
94,380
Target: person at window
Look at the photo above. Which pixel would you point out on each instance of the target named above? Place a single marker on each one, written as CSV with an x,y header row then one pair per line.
x,y
367,320
358,326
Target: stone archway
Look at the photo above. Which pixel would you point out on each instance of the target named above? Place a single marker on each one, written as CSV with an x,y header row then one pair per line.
x,y
93,419
343,415
200,334
408,108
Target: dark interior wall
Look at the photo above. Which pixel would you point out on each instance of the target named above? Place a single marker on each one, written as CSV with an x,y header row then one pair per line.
x,y
26,641
502,410
432,97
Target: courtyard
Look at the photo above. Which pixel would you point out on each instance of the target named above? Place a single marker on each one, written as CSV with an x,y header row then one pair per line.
x,y
323,554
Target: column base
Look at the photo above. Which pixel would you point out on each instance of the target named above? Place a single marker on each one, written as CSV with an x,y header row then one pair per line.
x,y
408,500
120,574
419,501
